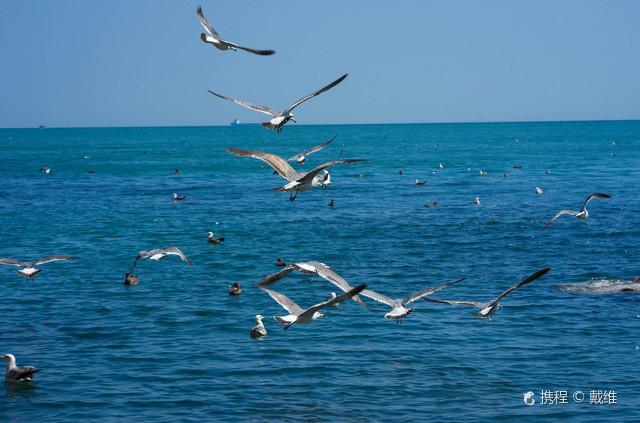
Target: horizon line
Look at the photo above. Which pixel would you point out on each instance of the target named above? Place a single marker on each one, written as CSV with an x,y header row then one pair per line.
x,y
331,124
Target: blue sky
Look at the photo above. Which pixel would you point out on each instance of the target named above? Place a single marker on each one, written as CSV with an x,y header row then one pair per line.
x,y
128,63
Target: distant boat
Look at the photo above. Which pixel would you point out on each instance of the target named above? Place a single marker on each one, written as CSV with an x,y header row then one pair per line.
x,y
235,122
41,127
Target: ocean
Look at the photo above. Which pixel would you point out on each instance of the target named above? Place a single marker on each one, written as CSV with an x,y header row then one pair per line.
x,y
177,347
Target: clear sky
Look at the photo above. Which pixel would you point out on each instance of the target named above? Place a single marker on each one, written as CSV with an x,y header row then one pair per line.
x,y
128,63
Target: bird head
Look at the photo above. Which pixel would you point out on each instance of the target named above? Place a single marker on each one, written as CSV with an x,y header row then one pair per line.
x,y
175,195
259,318
318,315
210,234
203,36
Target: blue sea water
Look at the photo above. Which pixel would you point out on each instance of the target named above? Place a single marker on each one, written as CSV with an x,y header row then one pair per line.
x,y
177,347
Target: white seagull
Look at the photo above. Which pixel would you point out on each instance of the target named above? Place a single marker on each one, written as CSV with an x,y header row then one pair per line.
x,y
300,316
301,157
15,373
29,267
583,213
313,268
279,119
213,38
398,309
258,331
298,181
487,309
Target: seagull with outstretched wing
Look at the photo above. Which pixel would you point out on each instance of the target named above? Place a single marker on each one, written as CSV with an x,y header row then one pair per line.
x,y
487,309
29,267
213,38
301,157
583,213
279,119
298,181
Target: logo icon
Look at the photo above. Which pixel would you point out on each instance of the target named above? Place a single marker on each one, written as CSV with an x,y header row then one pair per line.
x,y
529,398
578,396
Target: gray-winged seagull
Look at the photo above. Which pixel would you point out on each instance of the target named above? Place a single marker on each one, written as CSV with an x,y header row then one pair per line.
x,y
301,157
29,267
15,373
583,213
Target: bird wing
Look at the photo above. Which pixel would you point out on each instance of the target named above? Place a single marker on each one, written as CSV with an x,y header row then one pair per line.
x,y
252,50
523,282
279,164
268,280
205,23
313,94
19,373
428,291
451,302
176,252
51,258
378,297
252,106
308,177
311,150
326,273
595,195
12,262
560,213
338,299
284,301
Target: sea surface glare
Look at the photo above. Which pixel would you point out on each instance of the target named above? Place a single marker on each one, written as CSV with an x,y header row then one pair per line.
x,y
177,346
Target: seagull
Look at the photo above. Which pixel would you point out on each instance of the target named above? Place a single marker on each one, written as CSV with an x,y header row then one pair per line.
x,y
212,239
583,213
29,267
539,190
160,253
300,316
279,119
398,309
131,279
258,331
301,157
298,181
177,197
234,289
476,201
45,170
15,373
420,182
332,203
483,173
487,309
431,205
312,268
213,38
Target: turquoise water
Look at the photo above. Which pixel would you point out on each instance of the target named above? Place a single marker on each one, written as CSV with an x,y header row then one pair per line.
x,y
177,347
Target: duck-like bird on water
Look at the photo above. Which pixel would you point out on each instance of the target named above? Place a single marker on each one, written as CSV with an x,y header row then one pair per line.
x,y
213,38
279,119
14,373
298,181
29,267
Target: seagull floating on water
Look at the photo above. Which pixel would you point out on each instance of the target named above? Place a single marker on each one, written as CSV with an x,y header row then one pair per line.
x,y
476,201
583,213
300,316
45,170
398,309
298,181
487,309
420,182
258,331
301,157
29,267
539,190
213,38
213,239
332,203
279,119
14,373
177,197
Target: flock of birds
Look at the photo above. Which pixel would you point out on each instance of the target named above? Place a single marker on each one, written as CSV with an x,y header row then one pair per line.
x,y
296,181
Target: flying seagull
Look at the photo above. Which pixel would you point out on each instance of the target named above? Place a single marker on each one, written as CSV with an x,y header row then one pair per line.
x,y
487,309
312,268
298,181
398,309
15,373
298,315
29,267
213,38
583,213
279,119
301,157
155,255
